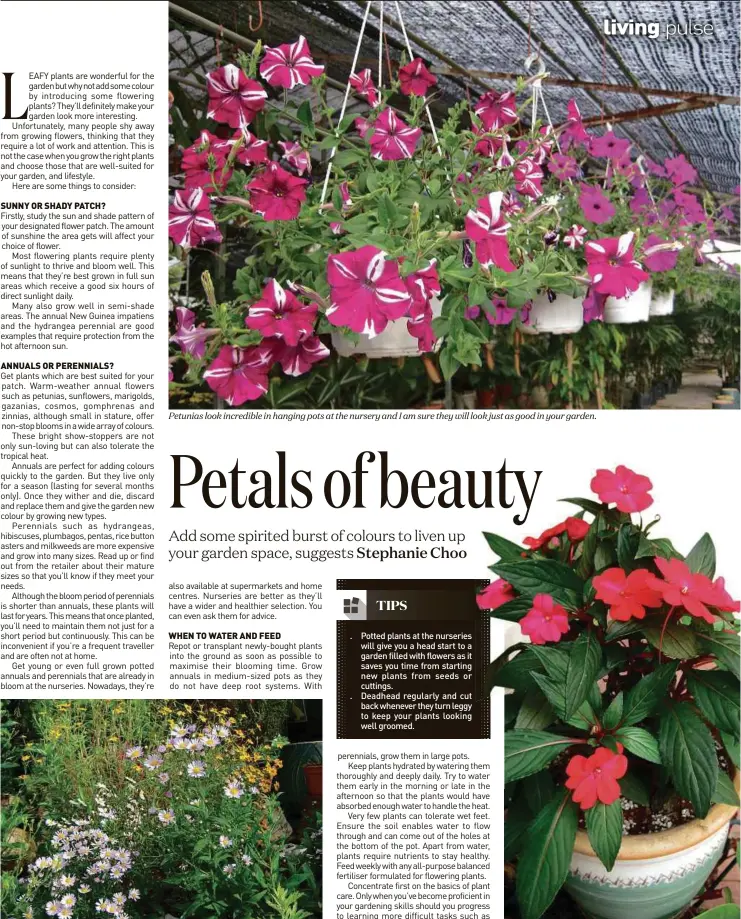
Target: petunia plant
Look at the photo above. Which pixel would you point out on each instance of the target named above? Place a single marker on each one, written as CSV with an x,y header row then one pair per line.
x,y
624,692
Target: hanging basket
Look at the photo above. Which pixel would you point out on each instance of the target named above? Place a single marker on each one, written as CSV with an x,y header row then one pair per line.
x,y
564,316
394,341
662,303
633,308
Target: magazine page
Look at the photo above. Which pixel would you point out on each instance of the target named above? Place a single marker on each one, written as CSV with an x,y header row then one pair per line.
x,y
335,343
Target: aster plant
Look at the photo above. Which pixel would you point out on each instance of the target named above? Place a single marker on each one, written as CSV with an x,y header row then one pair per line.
x,y
627,691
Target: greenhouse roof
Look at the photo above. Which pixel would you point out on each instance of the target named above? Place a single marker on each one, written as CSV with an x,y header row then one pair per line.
x,y
668,94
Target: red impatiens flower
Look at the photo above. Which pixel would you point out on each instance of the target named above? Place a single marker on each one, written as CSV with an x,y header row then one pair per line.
x,y
288,66
682,587
240,375
364,86
626,489
276,194
210,150
609,146
595,204
299,358
545,621
191,338
495,595
723,600
488,229
296,156
280,315
392,139
528,177
575,528
595,778
496,111
574,131
612,266
191,220
415,78
366,291
233,97
628,595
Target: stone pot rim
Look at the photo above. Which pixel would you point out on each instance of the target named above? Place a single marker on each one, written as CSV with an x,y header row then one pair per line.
x,y
667,842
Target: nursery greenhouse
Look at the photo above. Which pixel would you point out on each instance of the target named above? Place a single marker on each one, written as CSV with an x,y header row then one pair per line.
x,y
475,205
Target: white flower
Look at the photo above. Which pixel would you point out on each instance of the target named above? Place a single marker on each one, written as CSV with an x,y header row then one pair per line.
x,y
67,880
166,817
64,912
84,888
134,894
225,842
197,769
247,860
233,790
69,899
52,908
229,869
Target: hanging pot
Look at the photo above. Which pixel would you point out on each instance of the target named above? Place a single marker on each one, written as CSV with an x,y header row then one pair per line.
x,y
633,308
564,316
655,875
394,341
662,303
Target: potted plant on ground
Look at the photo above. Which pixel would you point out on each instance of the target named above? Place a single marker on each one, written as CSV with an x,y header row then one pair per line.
x,y
622,727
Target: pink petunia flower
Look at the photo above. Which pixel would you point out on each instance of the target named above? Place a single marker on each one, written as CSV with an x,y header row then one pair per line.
x,y
627,490
364,87
595,778
424,284
191,221
240,375
415,78
641,201
296,156
209,150
299,358
680,172
393,139
366,291
487,145
419,326
612,267
609,146
279,314
288,66
488,230
574,132
594,306
538,148
505,158
276,194
662,260
528,178
689,207
496,111
545,621
504,315
575,237
595,205
191,338
682,587
362,126
563,167
495,595
628,595
232,97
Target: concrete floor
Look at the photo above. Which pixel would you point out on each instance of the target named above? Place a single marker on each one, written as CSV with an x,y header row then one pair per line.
x,y
697,392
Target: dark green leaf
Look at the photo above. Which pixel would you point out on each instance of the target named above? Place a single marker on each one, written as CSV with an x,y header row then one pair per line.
x,y
538,790
516,673
585,662
530,576
588,548
632,788
614,713
604,557
646,696
688,753
502,547
594,507
605,830
616,631
513,610
519,818
546,855
701,558
305,115
727,911
675,641
526,752
535,712
639,742
717,696
725,791
627,545
732,748
448,362
725,647
651,548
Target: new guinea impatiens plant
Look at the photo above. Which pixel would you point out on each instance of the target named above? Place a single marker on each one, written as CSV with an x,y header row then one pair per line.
x,y
625,699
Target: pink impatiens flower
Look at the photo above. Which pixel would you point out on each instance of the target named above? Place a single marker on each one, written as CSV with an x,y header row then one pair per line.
x,y
288,66
299,358
210,150
595,778
232,97
609,146
612,266
415,78
366,291
296,156
627,490
496,111
682,587
575,237
495,595
281,315
240,375
362,83
595,205
528,176
488,230
276,194
545,621
191,338
191,220
628,595
393,139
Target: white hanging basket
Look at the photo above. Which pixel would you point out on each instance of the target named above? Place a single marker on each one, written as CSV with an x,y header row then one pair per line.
x,y
394,341
662,303
633,308
564,316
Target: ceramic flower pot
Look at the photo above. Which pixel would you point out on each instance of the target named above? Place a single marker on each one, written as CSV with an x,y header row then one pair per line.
x,y
313,776
662,303
656,875
394,341
564,316
634,308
